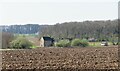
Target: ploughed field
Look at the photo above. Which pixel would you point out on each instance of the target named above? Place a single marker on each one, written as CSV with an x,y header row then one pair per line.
x,y
61,58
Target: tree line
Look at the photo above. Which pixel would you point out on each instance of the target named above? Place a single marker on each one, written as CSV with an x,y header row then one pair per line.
x,y
102,30
86,29
22,29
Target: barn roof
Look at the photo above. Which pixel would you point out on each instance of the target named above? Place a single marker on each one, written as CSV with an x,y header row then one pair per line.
x,y
48,38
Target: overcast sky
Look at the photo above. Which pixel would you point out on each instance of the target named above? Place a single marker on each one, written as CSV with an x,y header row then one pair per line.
x,y
56,11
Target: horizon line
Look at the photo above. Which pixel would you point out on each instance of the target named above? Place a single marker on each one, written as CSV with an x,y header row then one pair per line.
x,y
54,23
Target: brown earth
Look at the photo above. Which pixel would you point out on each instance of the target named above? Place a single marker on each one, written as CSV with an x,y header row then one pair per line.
x,y
61,58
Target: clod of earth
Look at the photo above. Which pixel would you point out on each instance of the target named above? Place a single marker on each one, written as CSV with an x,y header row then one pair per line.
x,y
61,58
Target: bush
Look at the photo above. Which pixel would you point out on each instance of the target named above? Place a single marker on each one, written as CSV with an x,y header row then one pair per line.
x,y
78,42
63,43
20,43
6,39
118,43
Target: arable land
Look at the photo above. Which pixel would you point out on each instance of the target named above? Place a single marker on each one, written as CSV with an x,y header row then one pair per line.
x,y
61,58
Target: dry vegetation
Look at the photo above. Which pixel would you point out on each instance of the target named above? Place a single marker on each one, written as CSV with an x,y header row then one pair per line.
x,y
61,58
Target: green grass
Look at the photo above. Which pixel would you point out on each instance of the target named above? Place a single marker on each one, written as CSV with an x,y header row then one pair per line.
x,y
94,44
24,35
33,47
97,44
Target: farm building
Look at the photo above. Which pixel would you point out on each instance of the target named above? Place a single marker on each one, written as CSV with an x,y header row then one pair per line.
x,y
104,43
46,41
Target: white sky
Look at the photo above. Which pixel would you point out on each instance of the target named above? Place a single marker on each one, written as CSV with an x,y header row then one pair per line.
x,y
56,11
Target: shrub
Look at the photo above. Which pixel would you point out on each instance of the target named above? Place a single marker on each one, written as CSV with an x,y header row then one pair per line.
x,y
63,43
6,39
118,43
20,43
78,42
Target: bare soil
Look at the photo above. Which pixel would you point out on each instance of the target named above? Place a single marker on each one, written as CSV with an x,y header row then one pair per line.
x,y
61,58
